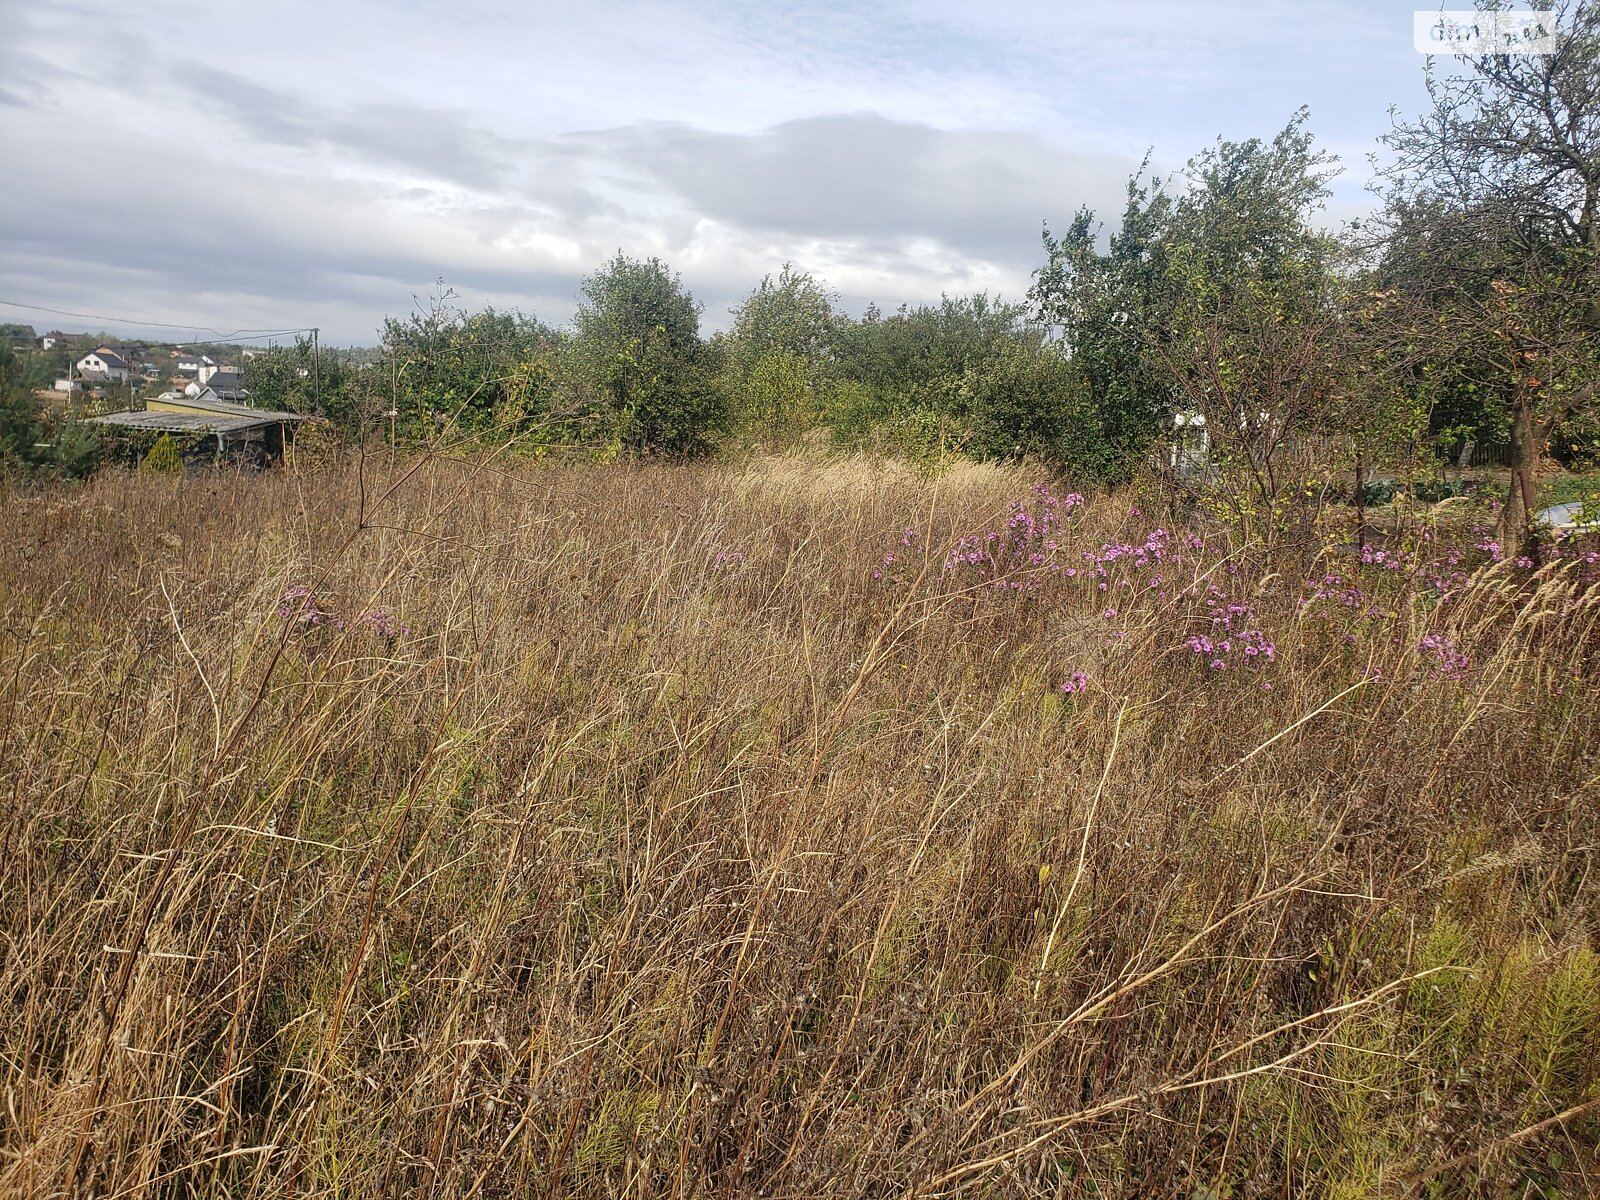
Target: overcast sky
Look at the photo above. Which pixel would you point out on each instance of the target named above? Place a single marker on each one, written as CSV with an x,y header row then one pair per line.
x,y
272,165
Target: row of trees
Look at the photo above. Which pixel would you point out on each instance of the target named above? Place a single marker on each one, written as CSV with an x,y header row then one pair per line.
x,y
635,373
1467,308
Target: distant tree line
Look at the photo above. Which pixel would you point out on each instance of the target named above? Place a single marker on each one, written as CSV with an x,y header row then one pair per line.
x,y
636,374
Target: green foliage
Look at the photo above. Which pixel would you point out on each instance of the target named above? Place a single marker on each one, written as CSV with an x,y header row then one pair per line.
x,y
792,313
779,359
32,440
1105,304
970,376
1223,301
1250,305
485,373
300,379
777,400
21,426
1023,400
637,362
163,459
1489,247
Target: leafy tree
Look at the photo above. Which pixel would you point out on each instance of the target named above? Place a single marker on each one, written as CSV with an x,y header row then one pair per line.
x,y
1024,401
792,313
1492,227
638,362
970,375
1223,302
779,362
21,423
301,379
1250,307
777,397
1104,304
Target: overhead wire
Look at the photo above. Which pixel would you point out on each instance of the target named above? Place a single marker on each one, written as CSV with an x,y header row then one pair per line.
x,y
254,334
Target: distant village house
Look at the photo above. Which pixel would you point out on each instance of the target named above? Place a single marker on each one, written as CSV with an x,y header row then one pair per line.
x,y
105,365
197,365
219,384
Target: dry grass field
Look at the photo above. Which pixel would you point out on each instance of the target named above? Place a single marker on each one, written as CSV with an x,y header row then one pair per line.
x,y
785,829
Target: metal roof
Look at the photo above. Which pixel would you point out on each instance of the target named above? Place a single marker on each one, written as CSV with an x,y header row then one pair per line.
x,y
165,422
218,405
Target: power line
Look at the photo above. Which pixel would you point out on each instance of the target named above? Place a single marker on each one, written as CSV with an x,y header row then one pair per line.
x,y
255,334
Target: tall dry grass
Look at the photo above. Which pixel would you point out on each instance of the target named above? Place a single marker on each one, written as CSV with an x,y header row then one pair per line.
x,y
616,832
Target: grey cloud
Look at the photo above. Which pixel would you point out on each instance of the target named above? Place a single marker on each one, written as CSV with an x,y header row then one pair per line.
x,y
32,79
248,242
886,210
864,176
441,143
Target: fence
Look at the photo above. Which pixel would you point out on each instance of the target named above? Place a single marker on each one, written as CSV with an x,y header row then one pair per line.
x,y
1465,455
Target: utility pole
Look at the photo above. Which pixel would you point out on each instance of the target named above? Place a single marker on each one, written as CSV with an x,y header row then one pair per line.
x,y
316,370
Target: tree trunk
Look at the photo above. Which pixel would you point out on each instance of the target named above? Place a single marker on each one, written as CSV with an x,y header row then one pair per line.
x,y
1516,519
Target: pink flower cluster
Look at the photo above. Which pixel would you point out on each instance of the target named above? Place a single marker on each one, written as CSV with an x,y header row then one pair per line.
x,y
1155,582
301,606
1446,661
1235,639
1337,590
1027,541
385,627
907,539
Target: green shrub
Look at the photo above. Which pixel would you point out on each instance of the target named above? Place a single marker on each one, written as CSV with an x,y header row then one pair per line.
x,y
163,458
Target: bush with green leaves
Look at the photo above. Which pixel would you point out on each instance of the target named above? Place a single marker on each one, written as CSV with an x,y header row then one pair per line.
x,y
971,376
637,361
779,360
164,458
488,373
309,379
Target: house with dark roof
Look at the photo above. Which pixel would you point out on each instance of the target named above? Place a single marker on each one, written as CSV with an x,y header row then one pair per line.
x,y
221,385
104,365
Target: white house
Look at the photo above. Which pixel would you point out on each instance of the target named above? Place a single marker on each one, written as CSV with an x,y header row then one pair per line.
x,y
104,364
